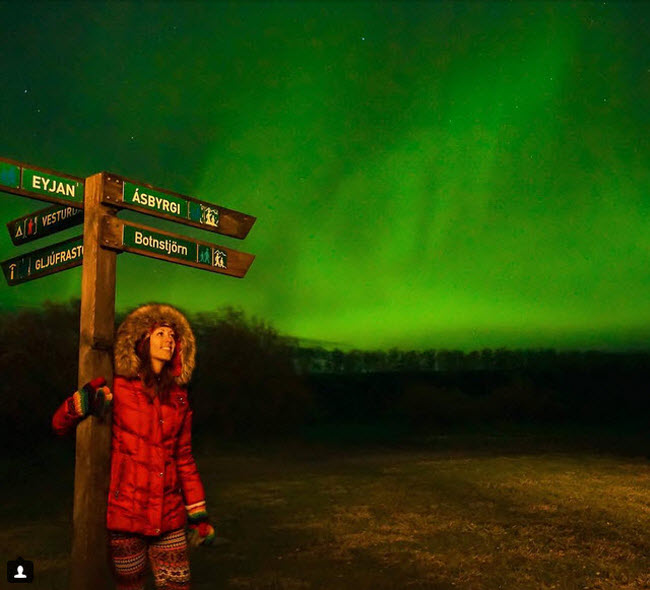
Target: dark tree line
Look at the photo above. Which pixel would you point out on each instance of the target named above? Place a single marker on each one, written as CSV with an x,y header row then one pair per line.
x,y
251,382
317,360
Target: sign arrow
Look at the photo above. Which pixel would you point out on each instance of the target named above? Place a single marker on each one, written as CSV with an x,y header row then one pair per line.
x,y
118,234
145,198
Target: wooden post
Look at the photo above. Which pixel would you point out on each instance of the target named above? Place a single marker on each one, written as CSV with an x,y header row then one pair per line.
x,y
89,563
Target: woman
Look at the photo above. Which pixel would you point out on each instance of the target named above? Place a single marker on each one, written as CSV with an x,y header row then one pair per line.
x,y
155,488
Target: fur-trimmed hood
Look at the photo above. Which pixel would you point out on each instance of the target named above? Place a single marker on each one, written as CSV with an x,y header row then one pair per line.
x,y
138,323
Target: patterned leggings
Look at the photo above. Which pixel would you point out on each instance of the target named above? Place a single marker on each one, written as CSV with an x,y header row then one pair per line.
x,y
167,555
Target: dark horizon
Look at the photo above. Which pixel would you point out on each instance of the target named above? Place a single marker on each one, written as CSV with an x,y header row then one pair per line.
x,y
317,346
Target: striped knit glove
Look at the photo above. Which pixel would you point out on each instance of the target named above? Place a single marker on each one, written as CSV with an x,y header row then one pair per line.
x,y
93,398
201,532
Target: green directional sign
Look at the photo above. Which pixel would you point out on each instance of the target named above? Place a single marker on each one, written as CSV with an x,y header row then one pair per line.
x,y
139,239
37,183
43,262
43,223
123,193
174,247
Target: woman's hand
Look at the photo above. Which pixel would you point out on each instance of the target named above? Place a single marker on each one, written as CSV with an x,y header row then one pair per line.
x,y
93,398
200,534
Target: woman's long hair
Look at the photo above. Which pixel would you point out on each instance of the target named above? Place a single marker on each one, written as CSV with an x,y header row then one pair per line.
x,y
160,384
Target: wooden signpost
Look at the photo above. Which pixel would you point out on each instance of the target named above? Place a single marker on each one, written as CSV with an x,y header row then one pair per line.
x,y
104,236
89,564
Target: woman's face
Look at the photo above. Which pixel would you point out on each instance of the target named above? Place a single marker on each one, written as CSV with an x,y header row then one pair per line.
x,y
161,344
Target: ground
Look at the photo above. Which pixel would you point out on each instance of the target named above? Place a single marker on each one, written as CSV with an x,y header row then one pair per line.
x,y
360,517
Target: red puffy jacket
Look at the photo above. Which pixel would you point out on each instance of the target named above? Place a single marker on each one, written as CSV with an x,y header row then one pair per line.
x,y
153,473
154,479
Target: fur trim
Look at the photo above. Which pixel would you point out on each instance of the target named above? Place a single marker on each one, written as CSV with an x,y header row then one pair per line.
x,y
138,323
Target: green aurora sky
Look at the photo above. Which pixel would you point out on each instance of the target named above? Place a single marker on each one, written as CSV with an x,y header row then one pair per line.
x,y
425,175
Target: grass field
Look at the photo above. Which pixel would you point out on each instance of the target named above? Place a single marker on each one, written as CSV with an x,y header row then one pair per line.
x,y
371,518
